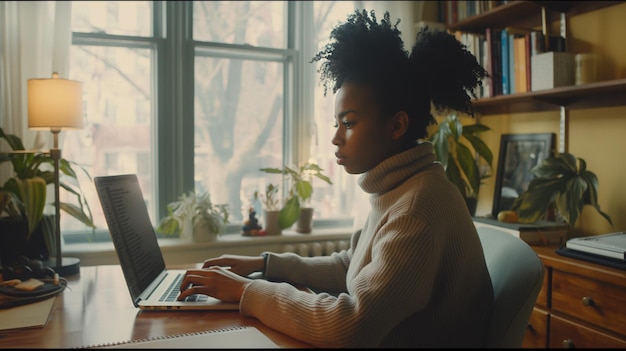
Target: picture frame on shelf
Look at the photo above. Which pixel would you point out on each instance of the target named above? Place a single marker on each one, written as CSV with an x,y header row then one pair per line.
x,y
519,153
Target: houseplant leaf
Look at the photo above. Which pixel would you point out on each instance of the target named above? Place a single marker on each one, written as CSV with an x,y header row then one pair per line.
x,y
454,175
28,196
451,143
562,180
289,213
304,189
468,165
479,145
32,193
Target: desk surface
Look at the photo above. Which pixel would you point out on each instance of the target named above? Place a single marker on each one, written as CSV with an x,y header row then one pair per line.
x,y
96,308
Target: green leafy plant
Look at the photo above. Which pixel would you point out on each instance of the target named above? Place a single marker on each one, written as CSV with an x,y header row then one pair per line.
x,y
562,181
300,189
462,167
194,208
23,196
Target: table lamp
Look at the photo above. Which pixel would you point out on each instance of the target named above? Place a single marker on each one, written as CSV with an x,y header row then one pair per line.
x,y
55,104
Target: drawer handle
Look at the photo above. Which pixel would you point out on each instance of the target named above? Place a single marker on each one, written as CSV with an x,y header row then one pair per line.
x,y
568,343
587,301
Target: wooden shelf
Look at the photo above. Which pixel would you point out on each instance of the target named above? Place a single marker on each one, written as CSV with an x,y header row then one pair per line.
x,y
526,14
601,94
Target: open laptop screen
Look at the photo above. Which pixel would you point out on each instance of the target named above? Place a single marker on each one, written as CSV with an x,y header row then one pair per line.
x,y
131,231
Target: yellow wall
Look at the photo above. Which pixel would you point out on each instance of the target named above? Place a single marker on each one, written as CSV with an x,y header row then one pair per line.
x,y
596,135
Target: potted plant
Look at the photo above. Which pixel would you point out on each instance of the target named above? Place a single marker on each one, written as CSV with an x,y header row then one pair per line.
x,y
561,182
271,209
23,197
300,192
194,216
462,168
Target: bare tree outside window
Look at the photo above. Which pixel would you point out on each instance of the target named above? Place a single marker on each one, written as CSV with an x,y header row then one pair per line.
x,y
256,99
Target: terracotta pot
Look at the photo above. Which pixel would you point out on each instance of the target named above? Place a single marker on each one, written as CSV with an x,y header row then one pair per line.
x,y
270,222
305,220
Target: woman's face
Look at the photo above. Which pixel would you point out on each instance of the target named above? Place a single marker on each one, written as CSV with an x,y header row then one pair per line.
x,y
363,137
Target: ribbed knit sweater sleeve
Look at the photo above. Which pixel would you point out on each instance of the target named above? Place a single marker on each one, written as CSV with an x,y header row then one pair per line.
x,y
414,276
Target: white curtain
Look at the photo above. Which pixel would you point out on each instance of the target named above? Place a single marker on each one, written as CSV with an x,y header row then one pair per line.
x,y
35,39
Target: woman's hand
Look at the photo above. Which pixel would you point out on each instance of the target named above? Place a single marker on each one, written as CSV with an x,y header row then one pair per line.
x,y
214,281
242,265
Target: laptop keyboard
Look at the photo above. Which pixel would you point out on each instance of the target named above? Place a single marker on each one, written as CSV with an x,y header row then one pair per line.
x,y
173,291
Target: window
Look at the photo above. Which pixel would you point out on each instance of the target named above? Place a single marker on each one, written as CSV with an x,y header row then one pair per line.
x,y
200,95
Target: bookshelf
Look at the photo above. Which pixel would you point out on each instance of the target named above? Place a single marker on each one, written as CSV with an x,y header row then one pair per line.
x,y
525,14
563,316
531,15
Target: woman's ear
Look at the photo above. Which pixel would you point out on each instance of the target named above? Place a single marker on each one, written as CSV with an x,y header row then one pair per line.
x,y
400,124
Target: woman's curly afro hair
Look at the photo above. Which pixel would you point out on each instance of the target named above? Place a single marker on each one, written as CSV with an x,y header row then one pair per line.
x,y
439,69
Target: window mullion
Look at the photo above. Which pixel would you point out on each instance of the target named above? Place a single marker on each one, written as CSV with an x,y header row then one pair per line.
x,y
175,106
300,130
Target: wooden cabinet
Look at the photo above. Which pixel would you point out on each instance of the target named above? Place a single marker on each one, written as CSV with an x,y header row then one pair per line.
x,y
581,304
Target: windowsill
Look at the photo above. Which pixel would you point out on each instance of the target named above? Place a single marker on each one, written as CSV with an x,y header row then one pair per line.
x,y
180,251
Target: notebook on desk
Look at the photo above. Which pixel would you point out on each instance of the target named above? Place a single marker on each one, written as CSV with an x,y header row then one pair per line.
x,y
151,285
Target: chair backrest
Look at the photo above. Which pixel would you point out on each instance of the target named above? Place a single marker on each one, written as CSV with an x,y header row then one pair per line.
x,y
516,275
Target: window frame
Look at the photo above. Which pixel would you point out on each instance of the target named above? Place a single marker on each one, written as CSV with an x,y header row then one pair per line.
x,y
173,52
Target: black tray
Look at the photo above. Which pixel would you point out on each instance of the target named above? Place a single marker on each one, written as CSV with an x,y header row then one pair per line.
x,y
599,259
11,297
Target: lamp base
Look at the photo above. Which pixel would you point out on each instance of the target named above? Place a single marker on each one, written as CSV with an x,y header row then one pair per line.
x,y
69,265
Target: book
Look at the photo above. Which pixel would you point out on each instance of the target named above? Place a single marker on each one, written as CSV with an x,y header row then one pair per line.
x,y
488,60
504,42
609,245
537,43
527,61
511,64
235,337
520,64
538,233
496,62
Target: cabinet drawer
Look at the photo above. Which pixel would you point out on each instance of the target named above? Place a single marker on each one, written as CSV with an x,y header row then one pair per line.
x,y
568,334
536,336
589,300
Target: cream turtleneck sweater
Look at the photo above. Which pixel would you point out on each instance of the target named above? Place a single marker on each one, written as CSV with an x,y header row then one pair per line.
x,y
414,275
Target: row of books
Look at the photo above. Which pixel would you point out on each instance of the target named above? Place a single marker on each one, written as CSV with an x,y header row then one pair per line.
x,y
452,12
506,55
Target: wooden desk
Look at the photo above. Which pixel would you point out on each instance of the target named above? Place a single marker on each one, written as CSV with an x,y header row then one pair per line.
x,y
96,308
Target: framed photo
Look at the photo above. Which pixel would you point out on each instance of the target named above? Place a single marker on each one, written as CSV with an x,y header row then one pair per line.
x,y
519,153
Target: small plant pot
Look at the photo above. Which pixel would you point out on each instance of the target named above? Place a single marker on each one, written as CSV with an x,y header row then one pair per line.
x,y
270,222
202,232
305,220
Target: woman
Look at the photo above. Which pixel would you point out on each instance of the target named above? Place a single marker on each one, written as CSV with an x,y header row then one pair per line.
x,y
414,275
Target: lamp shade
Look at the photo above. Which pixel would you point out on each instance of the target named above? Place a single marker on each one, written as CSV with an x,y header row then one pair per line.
x,y
55,103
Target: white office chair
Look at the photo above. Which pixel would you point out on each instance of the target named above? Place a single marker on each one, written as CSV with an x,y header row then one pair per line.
x,y
517,275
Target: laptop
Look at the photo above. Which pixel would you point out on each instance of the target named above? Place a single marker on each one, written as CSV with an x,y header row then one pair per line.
x,y
608,245
151,285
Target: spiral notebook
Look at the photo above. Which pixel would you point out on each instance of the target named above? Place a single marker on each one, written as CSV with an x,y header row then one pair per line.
x,y
233,338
